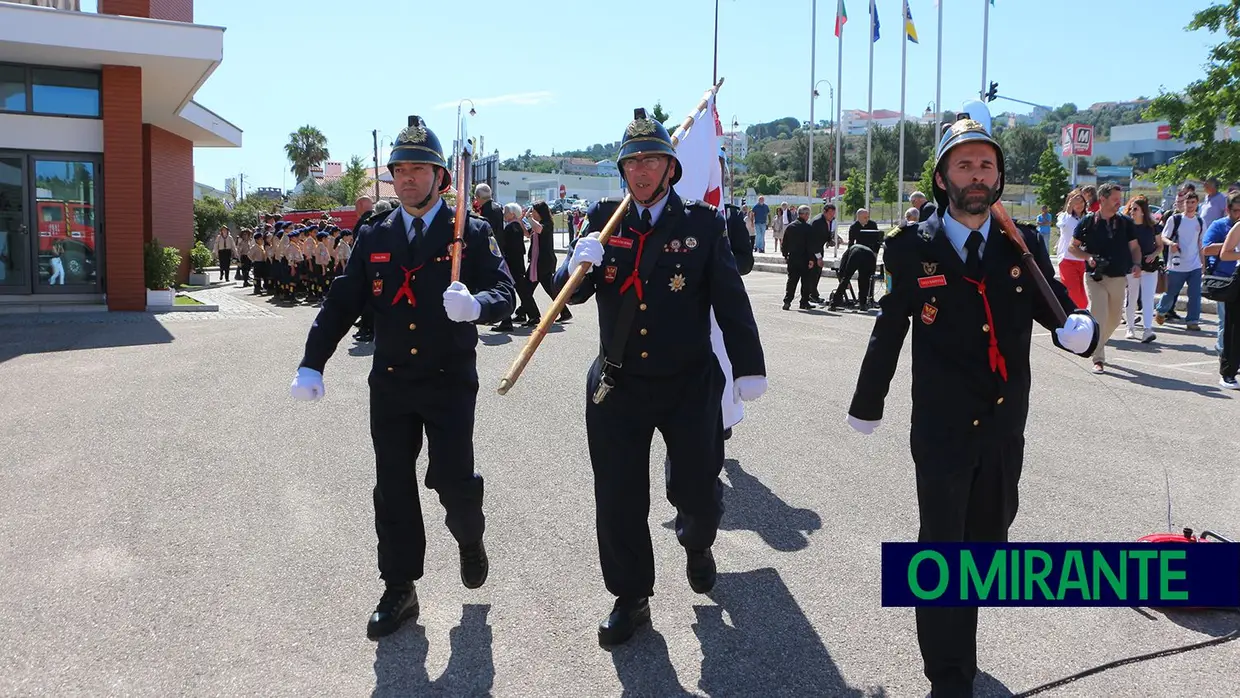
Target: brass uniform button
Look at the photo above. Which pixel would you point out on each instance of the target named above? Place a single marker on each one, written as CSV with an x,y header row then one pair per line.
x,y
999,401
985,328
391,370
413,351
645,354
1019,289
975,422
642,306
413,326
643,331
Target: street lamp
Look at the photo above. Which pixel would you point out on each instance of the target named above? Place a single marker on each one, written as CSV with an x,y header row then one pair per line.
x,y
810,176
456,148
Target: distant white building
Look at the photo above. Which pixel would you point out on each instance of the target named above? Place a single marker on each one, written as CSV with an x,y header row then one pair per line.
x,y
528,187
855,121
735,140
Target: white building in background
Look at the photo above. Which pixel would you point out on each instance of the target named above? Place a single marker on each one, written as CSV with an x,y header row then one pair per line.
x,y
528,187
737,140
855,121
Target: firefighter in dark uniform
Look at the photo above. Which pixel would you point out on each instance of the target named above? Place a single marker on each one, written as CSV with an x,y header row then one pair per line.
x,y
668,263
972,306
424,376
366,324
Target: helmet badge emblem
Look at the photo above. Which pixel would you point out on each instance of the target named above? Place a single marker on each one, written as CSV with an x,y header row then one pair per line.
x,y
412,134
641,127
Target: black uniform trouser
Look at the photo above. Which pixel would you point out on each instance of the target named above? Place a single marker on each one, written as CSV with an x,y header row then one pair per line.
x,y
400,409
859,260
963,495
815,276
244,272
687,410
225,264
367,322
799,273
1229,358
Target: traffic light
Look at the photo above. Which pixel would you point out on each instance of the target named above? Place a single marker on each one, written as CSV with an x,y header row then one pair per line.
x,y
994,90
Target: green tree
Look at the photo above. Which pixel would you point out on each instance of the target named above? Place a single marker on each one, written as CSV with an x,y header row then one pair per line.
x,y
313,201
306,147
767,185
209,216
1194,116
1051,180
1022,146
355,180
660,115
1102,161
248,211
760,162
854,193
926,184
888,191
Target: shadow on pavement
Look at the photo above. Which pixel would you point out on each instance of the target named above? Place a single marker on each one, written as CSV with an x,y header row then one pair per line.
x,y
1215,623
749,505
50,332
644,667
764,645
1163,383
400,659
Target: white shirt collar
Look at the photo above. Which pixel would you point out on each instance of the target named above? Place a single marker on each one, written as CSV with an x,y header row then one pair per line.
x,y
427,218
656,209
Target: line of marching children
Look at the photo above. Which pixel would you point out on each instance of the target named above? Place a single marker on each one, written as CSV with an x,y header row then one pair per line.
x,y
297,261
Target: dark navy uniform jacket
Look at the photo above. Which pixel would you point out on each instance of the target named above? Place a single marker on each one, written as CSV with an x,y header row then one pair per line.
x,y
957,395
413,335
695,271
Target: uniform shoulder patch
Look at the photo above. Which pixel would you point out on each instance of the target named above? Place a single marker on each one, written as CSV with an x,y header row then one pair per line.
x,y
695,203
896,231
494,246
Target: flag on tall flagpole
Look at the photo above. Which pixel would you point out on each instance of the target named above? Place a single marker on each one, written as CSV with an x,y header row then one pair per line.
x,y
910,31
874,20
701,178
841,18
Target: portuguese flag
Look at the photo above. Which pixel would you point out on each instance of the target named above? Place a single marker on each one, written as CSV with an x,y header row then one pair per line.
x,y
841,17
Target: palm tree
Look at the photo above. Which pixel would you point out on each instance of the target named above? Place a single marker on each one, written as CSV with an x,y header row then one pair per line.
x,y
307,147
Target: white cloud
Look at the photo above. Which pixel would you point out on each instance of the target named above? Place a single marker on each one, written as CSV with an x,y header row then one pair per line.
x,y
520,99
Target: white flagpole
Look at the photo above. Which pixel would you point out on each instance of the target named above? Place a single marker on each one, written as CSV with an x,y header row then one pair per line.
x,y
985,40
839,110
938,82
869,123
903,71
813,47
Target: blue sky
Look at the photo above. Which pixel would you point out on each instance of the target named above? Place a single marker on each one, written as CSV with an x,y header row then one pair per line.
x,y
567,75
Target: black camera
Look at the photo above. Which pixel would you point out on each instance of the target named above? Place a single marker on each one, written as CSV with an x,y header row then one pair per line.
x,y
1100,263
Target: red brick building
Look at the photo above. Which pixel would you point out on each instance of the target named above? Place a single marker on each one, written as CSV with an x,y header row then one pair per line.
x,y
98,126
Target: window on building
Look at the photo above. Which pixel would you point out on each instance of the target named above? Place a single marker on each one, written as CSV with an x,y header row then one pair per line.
x,y
65,92
12,88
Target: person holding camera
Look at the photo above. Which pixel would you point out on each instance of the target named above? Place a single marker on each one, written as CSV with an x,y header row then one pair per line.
x,y
1141,288
1109,238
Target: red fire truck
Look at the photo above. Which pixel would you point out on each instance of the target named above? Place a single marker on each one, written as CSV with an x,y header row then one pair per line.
x,y
68,221
344,217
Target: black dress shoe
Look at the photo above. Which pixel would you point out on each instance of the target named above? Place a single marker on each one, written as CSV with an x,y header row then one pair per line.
x,y
787,306
700,568
398,604
505,326
565,316
727,433
474,565
624,620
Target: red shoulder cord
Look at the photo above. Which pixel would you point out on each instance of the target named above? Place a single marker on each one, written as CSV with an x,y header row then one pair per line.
x,y
997,362
405,290
635,279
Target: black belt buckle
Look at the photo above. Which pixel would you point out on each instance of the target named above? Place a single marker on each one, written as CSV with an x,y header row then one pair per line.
x,y
605,382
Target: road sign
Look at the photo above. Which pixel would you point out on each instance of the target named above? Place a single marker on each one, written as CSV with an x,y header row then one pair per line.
x,y
1077,139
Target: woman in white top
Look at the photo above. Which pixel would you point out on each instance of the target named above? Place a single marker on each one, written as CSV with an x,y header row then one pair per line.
x,y
1072,264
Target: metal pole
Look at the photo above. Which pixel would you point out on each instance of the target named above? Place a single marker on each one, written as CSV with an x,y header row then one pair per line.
x,y
903,73
813,47
375,134
985,39
715,75
938,83
839,110
869,122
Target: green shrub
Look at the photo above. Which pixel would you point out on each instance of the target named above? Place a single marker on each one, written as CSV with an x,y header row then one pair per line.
x,y
199,258
160,265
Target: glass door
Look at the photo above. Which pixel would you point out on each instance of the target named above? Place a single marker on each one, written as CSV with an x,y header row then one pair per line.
x,y
15,276
64,213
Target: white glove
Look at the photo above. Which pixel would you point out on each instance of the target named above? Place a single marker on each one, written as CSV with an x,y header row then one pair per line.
x,y
749,388
460,304
307,385
864,426
588,249
1076,334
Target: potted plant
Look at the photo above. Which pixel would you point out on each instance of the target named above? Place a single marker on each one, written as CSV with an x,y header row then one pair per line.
x,y
160,266
199,258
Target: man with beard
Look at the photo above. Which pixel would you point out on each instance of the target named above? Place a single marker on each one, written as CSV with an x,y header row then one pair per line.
x,y
668,264
973,306
424,377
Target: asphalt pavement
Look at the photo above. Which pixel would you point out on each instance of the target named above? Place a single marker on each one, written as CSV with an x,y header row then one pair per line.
x,y
172,523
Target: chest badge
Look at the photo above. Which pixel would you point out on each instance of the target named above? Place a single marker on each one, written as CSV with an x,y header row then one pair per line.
x,y
691,242
376,287
380,257
675,244
929,313
929,268
678,282
1015,272
932,281
609,274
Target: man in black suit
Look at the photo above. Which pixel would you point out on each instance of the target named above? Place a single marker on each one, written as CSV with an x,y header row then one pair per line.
x,y
801,261
824,233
